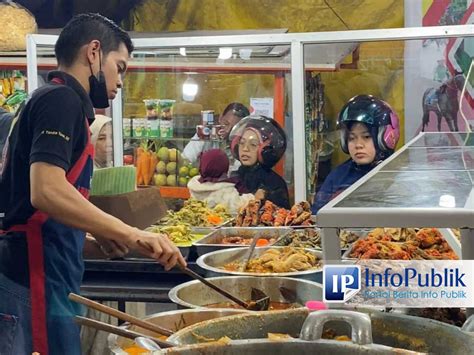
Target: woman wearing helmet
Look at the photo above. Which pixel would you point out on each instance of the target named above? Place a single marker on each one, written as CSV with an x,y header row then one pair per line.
x,y
369,133
259,142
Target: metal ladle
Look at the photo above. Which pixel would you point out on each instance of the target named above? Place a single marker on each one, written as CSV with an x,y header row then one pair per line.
x,y
259,305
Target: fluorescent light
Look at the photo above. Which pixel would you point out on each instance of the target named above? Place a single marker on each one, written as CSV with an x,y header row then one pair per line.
x,y
225,52
448,201
245,53
190,89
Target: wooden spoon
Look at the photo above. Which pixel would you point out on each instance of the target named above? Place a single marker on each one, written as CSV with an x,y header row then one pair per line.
x,y
120,315
130,334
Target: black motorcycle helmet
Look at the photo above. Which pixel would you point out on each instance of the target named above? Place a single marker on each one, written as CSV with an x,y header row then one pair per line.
x,y
378,116
271,135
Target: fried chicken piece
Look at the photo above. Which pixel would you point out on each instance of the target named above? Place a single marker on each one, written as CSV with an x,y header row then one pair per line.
x,y
240,217
252,211
305,205
270,255
280,217
429,237
277,266
268,211
305,216
247,221
297,262
294,212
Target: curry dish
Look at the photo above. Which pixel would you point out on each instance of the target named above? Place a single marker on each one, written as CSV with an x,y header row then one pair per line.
x,y
279,261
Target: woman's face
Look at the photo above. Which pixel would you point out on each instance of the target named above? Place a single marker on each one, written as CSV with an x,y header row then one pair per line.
x,y
103,146
248,148
361,145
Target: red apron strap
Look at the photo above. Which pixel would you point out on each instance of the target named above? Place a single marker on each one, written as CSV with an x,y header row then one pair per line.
x,y
57,80
76,170
34,240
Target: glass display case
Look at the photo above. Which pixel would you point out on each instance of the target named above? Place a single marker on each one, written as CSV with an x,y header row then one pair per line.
x,y
283,69
210,76
427,183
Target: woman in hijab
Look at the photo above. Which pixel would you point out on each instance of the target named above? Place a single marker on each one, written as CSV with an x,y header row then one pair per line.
x,y
94,342
259,142
101,138
213,185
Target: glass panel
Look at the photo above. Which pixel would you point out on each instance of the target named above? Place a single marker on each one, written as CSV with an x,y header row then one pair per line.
x,y
433,159
412,189
199,83
444,139
426,84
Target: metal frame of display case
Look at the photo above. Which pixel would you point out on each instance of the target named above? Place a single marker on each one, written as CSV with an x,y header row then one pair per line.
x,y
332,217
297,41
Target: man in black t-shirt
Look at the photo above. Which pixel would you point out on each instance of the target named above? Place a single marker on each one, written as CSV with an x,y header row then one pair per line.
x,y
43,192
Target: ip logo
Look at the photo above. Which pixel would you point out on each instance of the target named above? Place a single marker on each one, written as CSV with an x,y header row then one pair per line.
x,y
340,282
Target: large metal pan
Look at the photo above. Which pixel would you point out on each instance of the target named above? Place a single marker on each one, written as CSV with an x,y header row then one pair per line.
x,y
212,261
194,294
173,320
271,347
311,341
394,330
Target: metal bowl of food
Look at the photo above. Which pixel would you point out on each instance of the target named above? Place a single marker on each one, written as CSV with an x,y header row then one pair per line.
x,y
173,320
194,294
285,263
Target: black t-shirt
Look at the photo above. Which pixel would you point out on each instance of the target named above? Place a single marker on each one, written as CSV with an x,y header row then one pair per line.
x,y
50,129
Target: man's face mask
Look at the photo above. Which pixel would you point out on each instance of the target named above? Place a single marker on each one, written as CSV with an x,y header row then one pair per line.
x,y
98,87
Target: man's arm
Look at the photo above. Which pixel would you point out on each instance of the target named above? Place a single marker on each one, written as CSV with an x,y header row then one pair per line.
x,y
192,150
54,195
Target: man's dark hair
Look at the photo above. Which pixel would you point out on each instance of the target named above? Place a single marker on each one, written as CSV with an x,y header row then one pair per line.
x,y
84,28
237,109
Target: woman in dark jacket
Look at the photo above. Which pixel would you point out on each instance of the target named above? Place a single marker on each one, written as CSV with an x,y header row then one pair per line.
x,y
259,143
370,132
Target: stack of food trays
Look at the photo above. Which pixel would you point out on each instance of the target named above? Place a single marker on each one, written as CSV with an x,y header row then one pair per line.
x,y
270,224
267,221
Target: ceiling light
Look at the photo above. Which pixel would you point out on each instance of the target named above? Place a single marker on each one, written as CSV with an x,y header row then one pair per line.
x,y
190,89
225,52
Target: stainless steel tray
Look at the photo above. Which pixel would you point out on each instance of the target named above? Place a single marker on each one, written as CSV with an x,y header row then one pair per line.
x,y
212,261
231,223
213,241
207,230
194,294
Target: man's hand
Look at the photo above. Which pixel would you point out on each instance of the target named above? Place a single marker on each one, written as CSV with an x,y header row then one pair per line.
x,y
260,194
112,248
158,247
100,248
